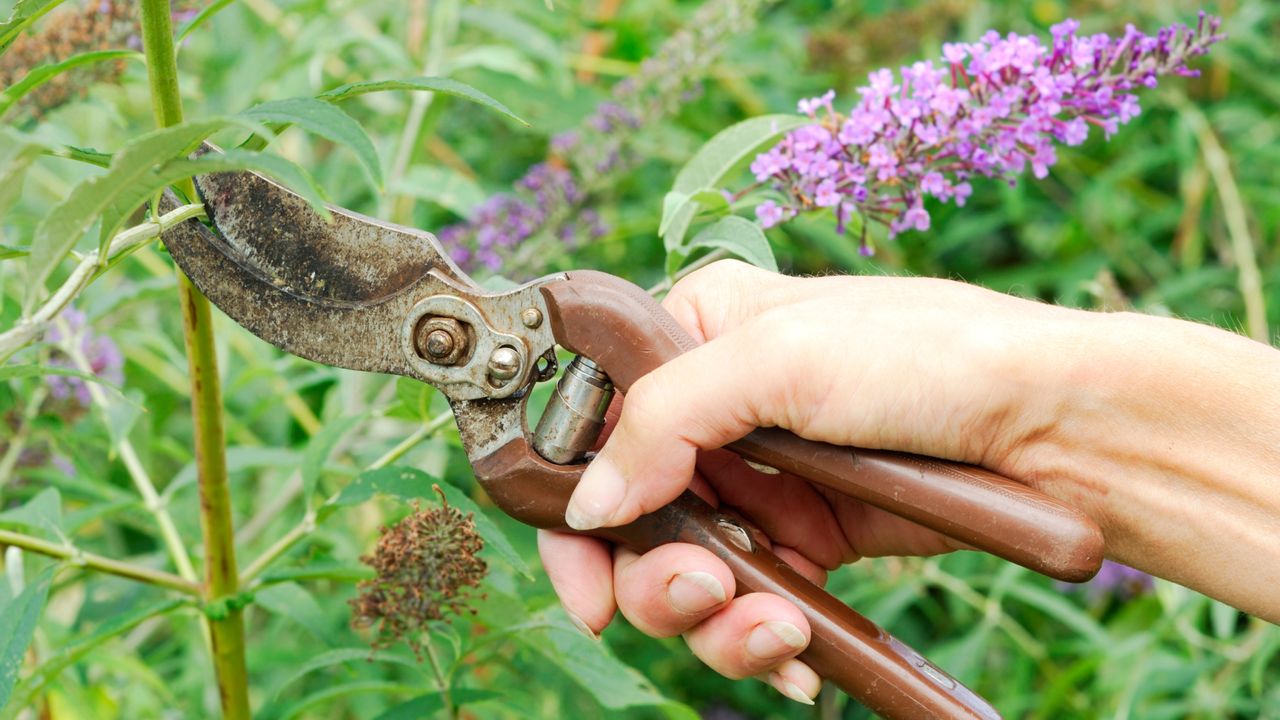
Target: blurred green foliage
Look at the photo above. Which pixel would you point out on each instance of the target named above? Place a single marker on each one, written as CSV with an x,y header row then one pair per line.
x,y
1147,222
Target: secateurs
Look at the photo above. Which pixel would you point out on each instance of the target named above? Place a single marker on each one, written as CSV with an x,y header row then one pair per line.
x,y
358,293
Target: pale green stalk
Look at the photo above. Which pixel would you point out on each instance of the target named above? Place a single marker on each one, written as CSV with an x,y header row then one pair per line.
x,y
222,577
100,563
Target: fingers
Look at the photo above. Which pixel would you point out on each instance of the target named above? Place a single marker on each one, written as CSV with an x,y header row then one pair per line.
x,y
752,635
671,588
581,571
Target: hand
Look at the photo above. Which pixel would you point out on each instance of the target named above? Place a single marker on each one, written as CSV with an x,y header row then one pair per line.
x,y
919,365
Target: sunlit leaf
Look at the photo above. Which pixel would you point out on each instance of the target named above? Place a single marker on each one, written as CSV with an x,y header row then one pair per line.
x,y
42,512
24,13
737,235
445,86
327,121
446,187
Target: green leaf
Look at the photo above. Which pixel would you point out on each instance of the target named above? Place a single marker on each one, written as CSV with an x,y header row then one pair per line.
x,y
428,705
18,619
207,12
292,601
445,187
15,372
497,58
24,13
613,684
444,86
127,183
342,656
737,235
45,73
77,649
8,252
325,120
319,449
415,395
42,512
17,152
413,484
724,154
328,696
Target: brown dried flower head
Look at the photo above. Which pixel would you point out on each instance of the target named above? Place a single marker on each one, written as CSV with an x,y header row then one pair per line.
x,y
427,569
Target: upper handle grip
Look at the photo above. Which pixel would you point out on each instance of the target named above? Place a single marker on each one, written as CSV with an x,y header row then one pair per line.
x,y
620,327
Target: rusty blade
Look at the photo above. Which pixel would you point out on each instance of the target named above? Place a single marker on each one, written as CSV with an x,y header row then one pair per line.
x,y
333,292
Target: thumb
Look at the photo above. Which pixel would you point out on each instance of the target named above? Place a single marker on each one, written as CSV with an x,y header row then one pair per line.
x,y
702,399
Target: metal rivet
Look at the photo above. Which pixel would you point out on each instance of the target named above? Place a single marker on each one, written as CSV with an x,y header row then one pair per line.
x,y
737,535
504,363
531,317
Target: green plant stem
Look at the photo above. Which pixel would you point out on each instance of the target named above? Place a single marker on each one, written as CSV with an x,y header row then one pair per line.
x,y
100,563
222,577
1249,278
441,681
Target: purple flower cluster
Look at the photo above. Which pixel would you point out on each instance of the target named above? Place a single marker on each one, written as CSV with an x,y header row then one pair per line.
x,y
100,351
504,221
990,109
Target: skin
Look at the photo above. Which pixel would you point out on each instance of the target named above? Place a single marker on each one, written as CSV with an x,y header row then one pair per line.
x,y
1165,432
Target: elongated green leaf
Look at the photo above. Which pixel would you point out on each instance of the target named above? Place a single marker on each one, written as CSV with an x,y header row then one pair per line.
x,y
14,372
206,12
497,58
737,235
124,181
724,154
319,449
42,512
325,120
24,13
78,648
445,86
45,73
428,705
18,619
292,601
9,252
447,188
415,395
614,684
327,697
412,484
17,152
342,656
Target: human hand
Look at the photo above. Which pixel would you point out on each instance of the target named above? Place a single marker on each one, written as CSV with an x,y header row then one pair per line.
x,y
926,366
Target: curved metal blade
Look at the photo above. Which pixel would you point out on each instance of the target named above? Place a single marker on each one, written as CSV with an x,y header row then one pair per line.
x,y
333,292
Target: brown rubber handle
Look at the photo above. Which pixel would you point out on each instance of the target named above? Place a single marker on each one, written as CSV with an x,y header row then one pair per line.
x,y
863,660
620,327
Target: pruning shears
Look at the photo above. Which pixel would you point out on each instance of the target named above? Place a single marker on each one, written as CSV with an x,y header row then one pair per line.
x,y
355,292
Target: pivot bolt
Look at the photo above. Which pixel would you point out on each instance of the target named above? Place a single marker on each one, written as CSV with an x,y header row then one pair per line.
x,y
441,340
504,364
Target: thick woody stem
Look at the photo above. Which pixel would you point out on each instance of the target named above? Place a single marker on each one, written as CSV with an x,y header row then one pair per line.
x,y
221,573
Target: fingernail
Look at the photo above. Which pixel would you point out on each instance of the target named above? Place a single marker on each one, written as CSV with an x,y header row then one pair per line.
x,y
582,626
774,638
788,688
693,592
597,497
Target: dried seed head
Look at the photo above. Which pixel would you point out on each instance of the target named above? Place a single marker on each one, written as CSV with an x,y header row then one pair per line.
x,y
427,569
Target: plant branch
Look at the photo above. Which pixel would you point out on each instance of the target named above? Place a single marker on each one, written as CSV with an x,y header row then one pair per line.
x,y
441,681
141,479
307,525
30,329
222,577
100,563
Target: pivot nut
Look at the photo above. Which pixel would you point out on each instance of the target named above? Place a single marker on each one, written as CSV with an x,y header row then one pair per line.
x,y
441,340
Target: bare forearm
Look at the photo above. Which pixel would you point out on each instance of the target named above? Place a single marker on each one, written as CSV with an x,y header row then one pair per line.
x,y
1169,435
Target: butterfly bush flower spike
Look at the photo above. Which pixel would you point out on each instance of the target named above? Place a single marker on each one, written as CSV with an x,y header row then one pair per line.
x,y
993,109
